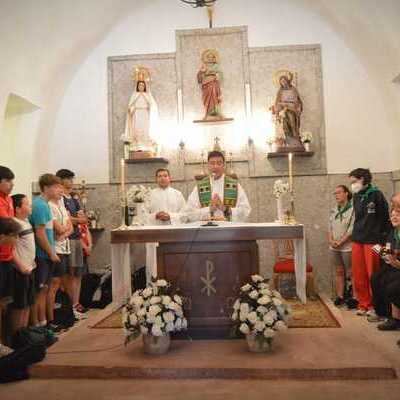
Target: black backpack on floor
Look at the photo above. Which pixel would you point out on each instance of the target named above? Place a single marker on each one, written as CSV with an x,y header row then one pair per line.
x,y
90,283
63,311
33,336
14,366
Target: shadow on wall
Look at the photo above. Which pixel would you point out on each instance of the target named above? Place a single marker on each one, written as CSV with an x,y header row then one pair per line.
x,y
17,140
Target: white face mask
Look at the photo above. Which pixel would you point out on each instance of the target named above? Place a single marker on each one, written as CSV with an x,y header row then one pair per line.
x,y
356,187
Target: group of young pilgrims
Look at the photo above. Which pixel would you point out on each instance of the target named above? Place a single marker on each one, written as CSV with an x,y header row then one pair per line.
x,y
364,240
43,248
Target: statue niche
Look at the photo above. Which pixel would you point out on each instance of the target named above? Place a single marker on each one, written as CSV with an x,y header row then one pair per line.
x,y
287,110
209,77
141,119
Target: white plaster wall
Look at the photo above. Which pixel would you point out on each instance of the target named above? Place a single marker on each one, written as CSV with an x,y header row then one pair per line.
x,y
355,111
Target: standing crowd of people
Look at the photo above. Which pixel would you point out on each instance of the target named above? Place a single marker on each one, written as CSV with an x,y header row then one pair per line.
x,y
44,247
364,240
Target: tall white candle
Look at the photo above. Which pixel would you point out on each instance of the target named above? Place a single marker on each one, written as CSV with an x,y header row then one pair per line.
x,y
290,157
123,180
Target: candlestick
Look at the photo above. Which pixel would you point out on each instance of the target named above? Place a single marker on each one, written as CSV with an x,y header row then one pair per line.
x,y
180,105
290,158
248,100
123,179
123,197
291,219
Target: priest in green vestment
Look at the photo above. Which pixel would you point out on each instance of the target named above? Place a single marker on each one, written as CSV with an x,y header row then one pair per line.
x,y
217,196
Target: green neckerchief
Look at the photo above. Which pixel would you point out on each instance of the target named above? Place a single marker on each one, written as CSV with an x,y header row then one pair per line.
x,y
370,189
397,235
341,211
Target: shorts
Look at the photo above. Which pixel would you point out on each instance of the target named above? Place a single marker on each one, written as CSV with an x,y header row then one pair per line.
x,y
7,276
44,272
342,258
24,290
61,268
80,271
76,256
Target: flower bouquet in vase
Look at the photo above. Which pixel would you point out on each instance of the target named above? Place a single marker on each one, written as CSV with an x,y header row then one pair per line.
x,y
280,188
259,313
154,313
306,138
271,143
138,197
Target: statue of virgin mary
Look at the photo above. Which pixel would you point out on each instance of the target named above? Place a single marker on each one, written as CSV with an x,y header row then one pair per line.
x,y
142,116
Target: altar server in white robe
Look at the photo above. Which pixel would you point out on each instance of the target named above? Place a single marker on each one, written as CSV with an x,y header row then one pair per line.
x,y
217,196
166,206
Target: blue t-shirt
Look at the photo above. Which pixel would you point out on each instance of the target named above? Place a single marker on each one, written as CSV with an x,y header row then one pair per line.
x,y
72,205
41,215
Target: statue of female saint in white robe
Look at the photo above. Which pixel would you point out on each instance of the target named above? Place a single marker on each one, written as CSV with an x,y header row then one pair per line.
x,y
141,120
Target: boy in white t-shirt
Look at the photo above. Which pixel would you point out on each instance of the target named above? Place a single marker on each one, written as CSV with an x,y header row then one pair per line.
x,y
62,229
24,258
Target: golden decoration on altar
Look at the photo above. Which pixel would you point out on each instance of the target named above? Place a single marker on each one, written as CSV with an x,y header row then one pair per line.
x,y
141,74
289,75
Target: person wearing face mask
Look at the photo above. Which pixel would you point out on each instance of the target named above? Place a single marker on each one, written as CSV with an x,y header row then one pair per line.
x,y
371,226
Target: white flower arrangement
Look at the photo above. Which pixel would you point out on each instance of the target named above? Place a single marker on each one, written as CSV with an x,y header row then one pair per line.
x,y
280,188
271,140
125,138
259,310
153,311
306,137
138,194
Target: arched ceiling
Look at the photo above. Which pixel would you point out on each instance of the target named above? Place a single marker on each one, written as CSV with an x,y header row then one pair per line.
x,y
43,41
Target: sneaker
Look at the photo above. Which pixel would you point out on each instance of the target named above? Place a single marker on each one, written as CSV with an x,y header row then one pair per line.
x,y
351,303
79,307
79,316
339,301
361,312
372,316
390,325
5,350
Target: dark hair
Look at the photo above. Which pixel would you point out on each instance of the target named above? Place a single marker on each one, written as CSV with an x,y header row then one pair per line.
x,y
137,85
362,173
214,154
8,226
47,180
6,173
17,200
162,169
347,191
65,174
